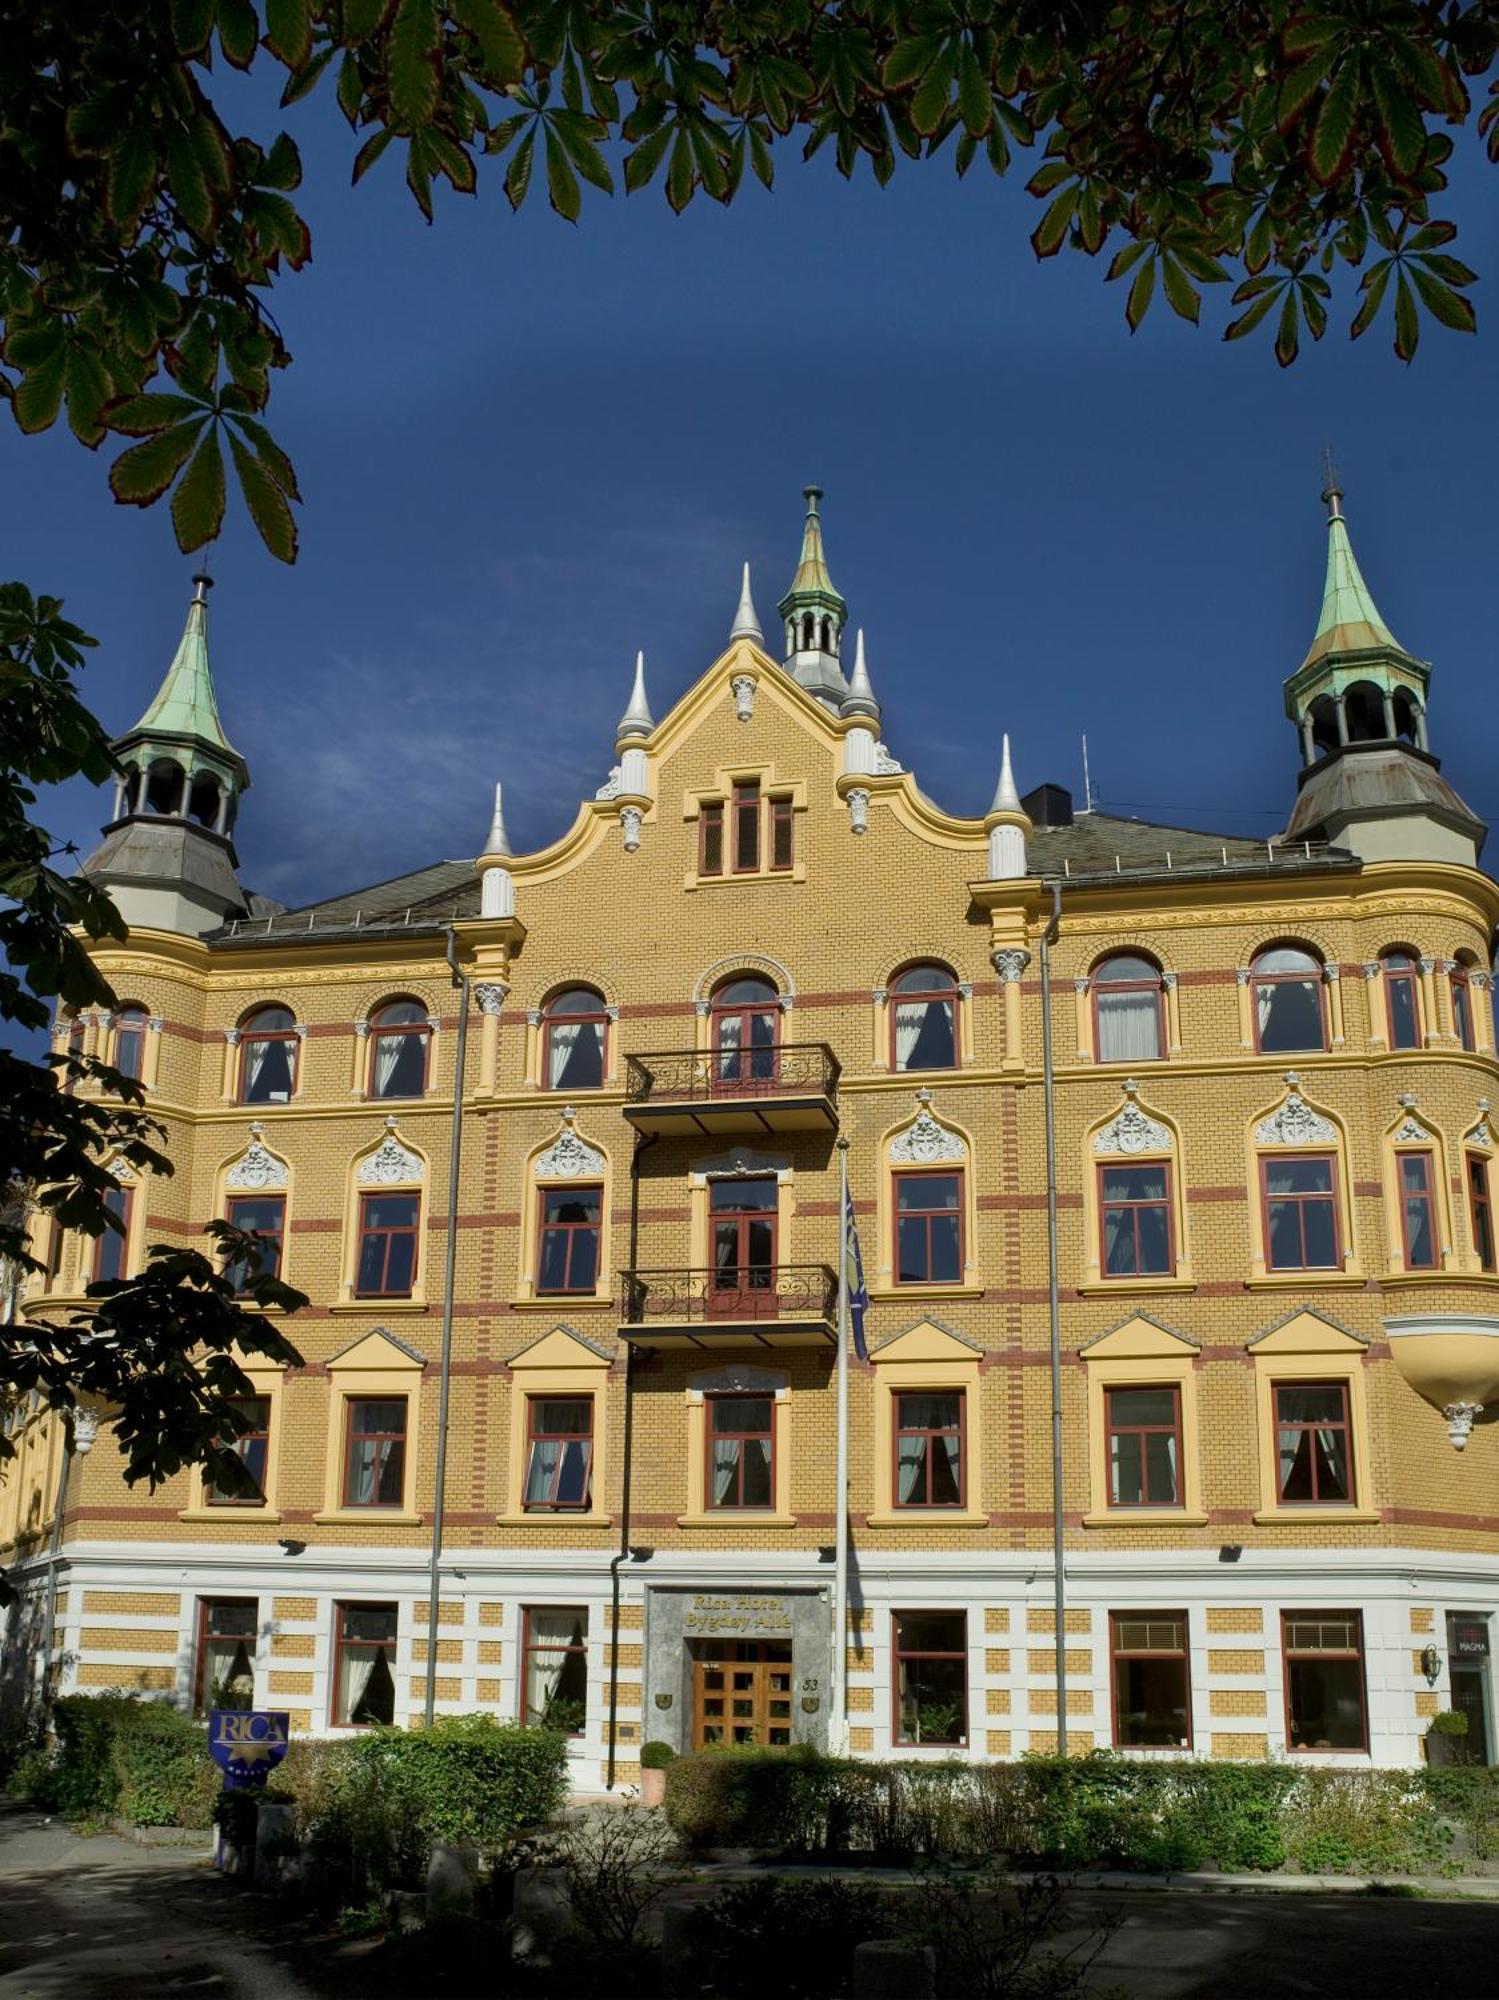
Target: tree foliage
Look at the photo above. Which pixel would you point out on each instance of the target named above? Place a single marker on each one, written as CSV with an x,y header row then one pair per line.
x,y
159,1351
1265,147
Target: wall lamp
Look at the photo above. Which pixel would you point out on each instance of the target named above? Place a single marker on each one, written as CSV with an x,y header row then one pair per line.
x,y
1230,1552
641,1555
1431,1664
289,1546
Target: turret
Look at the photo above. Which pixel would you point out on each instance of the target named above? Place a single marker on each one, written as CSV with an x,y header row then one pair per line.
x,y
496,885
814,615
1007,823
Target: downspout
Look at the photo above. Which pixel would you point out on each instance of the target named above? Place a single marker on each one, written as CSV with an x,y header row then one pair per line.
x,y
445,1367
54,1560
1054,1311
643,1142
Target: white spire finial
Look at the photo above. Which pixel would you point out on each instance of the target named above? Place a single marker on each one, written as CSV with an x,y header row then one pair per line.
x,y
746,623
498,841
1006,798
860,697
637,719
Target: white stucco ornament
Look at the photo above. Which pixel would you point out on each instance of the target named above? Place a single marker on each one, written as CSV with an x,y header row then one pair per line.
x,y
256,1168
1460,1422
1295,1123
858,809
1132,1130
569,1158
743,688
925,1141
390,1165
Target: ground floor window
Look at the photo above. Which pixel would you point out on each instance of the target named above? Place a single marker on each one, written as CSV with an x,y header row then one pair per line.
x,y
1324,1661
226,1652
1152,1685
554,1672
931,1677
364,1667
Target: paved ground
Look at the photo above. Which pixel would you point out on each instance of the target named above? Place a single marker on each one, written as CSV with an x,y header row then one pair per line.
x,y
103,1919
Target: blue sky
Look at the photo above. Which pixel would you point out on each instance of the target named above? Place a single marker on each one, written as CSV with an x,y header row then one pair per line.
x,y
529,448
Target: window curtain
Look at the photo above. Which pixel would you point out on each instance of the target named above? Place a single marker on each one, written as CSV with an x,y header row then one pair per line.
x,y
910,1019
910,1464
387,1055
358,1670
562,1039
231,1676
546,1454
947,1473
725,1469
1129,1027
730,1042
255,1055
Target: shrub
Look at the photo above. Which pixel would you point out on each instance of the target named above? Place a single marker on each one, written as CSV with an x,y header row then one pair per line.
x,y
1448,1722
116,1753
794,1939
657,1756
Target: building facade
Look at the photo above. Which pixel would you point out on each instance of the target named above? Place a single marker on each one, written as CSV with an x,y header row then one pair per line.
x,y
1277,1295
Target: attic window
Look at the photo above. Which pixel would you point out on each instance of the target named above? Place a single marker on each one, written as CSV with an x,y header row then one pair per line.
x,y
752,832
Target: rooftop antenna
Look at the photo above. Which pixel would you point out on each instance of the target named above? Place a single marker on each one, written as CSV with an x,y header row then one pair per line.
x,y
1087,781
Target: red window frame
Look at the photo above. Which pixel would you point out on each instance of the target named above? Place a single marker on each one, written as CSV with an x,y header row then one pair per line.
x,y
1401,967
1345,1425
1481,1211
378,1034
744,820
898,1215
342,1644
572,1231
249,1034
924,996
782,832
752,1294
1331,1194
1117,1653
1111,1430
1098,984
1132,1208
536,1435
710,838
1460,983
248,1636
1259,979
274,1238
258,1434
130,1042
900,1653
750,1057
931,1433
529,1645
1354,1652
390,1232
1425,1195
112,1249
597,1017
712,1435
386,1444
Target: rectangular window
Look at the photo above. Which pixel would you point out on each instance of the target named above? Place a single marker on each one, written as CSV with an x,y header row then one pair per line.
x,y
387,1246
112,1250
928,1229
554,1671
1152,1685
929,1469
1480,1210
1135,1207
1404,1006
568,1258
1144,1433
1314,1444
747,828
253,1449
1462,1007
931,1677
1324,1669
226,1653
781,837
1301,1213
559,1452
1418,1229
261,1215
375,1460
710,840
364,1664
741,1451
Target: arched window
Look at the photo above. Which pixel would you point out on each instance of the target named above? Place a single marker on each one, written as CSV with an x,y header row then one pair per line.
x,y
924,1019
268,1056
1406,726
130,1042
746,1029
203,799
1461,988
1402,989
575,1028
1127,1009
1324,719
400,1034
809,626
1288,1012
1363,705
164,788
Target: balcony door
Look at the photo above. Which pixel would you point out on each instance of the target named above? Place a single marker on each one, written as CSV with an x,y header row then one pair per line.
x,y
746,1023
742,1282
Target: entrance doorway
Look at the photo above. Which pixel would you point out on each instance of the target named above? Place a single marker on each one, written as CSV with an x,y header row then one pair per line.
x,y
741,1693
1468,1665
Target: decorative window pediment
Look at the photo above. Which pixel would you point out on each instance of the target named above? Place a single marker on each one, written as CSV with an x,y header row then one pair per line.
x,y
927,1340
1411,1131
1139,1338
1132,1129
1481,1134
562,1347
738,1379
391,1164
569,1157
925,1142
1306,1331
377,1349
1294,1123
257,1168
740,1163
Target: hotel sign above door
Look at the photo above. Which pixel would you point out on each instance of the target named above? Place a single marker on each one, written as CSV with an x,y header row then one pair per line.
x,y
736,1617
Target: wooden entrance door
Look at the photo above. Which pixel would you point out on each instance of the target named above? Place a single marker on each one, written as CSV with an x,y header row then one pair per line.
x,y
741,1693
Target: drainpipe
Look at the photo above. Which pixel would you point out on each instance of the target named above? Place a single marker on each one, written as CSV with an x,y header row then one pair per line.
x,y
445,1369
643,1143
79,1433
1053,1306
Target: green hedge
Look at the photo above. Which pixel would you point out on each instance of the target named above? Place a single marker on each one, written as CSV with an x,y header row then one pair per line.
x,y
1097,1811
116,1753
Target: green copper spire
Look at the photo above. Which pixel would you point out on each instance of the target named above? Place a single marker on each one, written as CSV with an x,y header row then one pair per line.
x,y
1350,621
185,704
814,615
812,577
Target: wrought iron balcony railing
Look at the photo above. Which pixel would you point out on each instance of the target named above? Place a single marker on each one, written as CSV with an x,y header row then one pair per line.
x,y
729,1294
799,1075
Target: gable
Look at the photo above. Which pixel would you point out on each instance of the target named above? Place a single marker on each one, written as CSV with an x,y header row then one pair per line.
x,y
562,1347
928,1340
1306,1331
378,1349
1140,1338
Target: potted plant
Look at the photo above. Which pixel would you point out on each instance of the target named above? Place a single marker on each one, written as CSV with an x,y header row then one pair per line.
x,y
1447,1738
654,1758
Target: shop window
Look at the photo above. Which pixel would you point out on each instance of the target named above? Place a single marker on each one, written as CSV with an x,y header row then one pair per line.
x,y
1151,1679
741,1452
1324,1675
1301,1212
1143,1430
225,1675
929,1469
928,1229
1418,1220
130,1042
387,1246
931,1678
1134,1205
575,1031
268,1052
559,1453
1127,1009
1402,990
264,1216
568,1254
1289,1016
400,1037
1314,1444
924,1019
253,1450
1481,1211
364,1664
554,1670
375,1452
112,1249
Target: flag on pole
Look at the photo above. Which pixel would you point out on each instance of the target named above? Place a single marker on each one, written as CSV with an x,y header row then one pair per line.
x,y
855,1290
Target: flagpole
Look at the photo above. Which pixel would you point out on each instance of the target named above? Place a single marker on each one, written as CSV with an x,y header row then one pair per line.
x,y
837,1719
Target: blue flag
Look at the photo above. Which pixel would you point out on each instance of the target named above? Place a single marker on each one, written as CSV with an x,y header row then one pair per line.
x,y
853,1278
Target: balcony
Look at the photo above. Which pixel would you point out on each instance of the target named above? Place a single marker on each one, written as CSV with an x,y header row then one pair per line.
x,y
720,1092
774,1305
